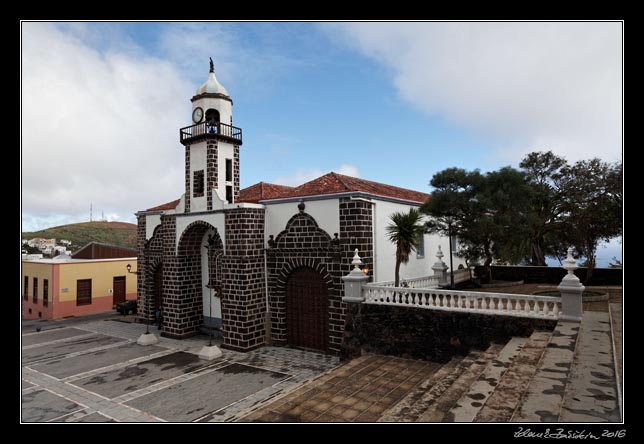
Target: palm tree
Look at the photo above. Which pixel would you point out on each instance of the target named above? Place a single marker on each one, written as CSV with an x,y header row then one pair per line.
x,y
406,232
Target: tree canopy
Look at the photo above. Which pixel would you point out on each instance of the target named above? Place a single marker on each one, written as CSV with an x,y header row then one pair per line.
x,y
525,215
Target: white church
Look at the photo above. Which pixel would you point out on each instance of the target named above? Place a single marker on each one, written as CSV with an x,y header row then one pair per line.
x,y
267,260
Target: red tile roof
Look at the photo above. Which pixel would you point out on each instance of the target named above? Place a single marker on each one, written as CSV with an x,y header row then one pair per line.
x,y
166,206
332,183
263,191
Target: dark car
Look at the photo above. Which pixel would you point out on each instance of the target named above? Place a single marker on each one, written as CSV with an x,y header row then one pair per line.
x,y
126,307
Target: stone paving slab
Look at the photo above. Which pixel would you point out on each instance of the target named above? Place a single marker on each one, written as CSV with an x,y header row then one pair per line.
x,y
439,411
60,349
51,335
591,395
62,368
544,396
117,382
95,417
472,401
192,399
616,329
501,405
358,391
42,405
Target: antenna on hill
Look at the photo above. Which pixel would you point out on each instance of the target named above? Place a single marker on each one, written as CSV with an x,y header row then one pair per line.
x,y
90,212
103,215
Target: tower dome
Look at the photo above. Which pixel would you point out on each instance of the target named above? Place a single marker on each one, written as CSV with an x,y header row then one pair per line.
x,y
212,85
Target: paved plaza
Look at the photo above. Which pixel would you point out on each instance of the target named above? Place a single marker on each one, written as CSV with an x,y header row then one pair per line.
x,y
94,371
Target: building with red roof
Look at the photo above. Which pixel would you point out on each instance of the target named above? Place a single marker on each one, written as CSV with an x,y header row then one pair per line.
x,y
265,261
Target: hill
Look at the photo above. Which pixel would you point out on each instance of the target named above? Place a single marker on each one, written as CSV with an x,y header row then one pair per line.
x,y
116,233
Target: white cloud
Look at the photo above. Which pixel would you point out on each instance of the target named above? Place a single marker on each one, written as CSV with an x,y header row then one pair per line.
x,y
530,86
97,127
304,175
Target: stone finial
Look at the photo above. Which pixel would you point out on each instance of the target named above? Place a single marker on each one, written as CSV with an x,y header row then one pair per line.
x,y
335,242
301,206
571,291
570,264
440,254
353,282
357,261
212,65
271,241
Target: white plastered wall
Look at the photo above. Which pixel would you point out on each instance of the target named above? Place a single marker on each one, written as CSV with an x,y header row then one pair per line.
x,y
325,212
385,250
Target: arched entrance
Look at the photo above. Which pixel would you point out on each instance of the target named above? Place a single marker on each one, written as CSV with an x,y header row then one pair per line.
x,y
307,309
190,304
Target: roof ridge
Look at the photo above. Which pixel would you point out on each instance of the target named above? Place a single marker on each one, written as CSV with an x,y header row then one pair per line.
x,y
337,176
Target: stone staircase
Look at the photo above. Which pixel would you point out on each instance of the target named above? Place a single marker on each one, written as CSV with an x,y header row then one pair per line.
x,y
564,375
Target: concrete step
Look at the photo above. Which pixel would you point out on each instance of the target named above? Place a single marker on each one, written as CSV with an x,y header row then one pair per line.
x,y
615,310
468,406
544,396
416,402
591,393
504,399
439,410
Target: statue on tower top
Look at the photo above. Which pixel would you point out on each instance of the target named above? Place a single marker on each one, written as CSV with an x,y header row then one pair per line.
x,y
212,65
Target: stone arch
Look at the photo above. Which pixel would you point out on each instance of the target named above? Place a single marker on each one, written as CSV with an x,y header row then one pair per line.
x,y
303,232
184,308
190,240
152,259
289,266
279,290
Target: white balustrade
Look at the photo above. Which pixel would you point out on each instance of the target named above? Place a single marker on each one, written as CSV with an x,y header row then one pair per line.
x,y
519,305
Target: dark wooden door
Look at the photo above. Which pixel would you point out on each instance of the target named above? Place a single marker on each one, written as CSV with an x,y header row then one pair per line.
x,y
118,287
158,287
307,313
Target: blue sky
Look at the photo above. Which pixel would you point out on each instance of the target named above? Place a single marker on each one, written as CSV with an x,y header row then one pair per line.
x,y
391,102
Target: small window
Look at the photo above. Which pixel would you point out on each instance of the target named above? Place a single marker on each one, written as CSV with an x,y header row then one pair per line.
x,y
229,194
26,288
35,290
229,170
83,292
45,292
420,252
197,184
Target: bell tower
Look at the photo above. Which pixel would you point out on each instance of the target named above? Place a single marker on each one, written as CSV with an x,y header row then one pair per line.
x,y
212,148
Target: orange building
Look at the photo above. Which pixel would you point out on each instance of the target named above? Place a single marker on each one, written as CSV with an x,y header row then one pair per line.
x,y
53,289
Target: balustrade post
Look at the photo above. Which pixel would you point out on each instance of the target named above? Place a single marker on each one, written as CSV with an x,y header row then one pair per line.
x,y
354,281
571,291
440,268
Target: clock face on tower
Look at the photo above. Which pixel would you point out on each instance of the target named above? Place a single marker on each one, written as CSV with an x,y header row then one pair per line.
x,y
197,115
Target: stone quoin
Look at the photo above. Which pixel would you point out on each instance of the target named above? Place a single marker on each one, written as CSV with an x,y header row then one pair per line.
x,y
273,270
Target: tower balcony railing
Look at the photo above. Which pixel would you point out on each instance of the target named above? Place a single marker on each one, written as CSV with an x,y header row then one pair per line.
x,y
208,130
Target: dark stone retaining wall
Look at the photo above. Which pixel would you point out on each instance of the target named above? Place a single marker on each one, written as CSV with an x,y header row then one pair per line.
x,y
552,275
429,335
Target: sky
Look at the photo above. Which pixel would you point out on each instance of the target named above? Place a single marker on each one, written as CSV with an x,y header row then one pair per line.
x,y
393,102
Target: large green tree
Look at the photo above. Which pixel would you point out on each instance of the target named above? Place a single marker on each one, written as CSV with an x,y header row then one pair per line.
x,y
486,212
544,221
405,231
592,206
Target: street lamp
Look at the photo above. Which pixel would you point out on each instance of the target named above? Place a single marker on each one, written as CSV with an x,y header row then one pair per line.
x,y
146,338
451,264
210,352
209,285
